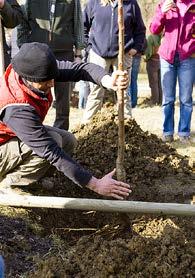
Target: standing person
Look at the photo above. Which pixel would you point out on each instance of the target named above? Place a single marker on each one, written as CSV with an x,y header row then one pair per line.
x,y
153,68
27,147
177,61
101,34
59,24
133,88
11,15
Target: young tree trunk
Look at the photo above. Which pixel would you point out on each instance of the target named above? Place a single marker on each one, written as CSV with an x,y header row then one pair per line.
x,y
1,51
120,171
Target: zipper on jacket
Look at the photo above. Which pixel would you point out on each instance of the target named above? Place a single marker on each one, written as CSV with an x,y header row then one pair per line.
x,y
51,17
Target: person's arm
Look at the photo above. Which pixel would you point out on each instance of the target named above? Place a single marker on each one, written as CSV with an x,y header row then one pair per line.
x,y
78,29
24,28
88,16
139,31
35,135
158,21
25,123
75,72
11,13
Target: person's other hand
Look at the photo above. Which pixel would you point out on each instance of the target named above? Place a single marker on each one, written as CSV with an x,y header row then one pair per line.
x,y
132,52
107,186
2,3
167,5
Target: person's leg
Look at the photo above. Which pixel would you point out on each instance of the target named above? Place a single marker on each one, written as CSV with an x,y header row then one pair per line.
x,y
168,81
2,268
132,91
20,166
159,84
152,67
62,92
95,98
84,91
185,77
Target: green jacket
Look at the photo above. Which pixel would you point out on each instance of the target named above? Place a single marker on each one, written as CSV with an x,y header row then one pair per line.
x,y
153,43
57,32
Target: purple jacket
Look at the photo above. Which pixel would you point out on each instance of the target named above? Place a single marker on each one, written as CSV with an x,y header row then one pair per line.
x,y
101,27
178,25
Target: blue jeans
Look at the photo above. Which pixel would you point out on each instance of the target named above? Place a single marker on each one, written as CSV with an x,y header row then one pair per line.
x,y
183,71
84,90
1,267
132,91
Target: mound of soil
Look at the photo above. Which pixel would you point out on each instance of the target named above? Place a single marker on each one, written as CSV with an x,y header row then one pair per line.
x,y
98,244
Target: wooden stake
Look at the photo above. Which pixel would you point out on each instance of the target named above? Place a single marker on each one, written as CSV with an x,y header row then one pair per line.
x,y
97,205
1,51
120,170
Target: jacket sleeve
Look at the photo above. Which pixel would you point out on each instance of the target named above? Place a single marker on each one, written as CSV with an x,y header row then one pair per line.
x,y
88,19
78,26
11,14
158,21
74,72
139,31
24,29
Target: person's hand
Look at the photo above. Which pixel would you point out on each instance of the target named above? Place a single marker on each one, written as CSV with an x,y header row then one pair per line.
x,y
120,80
107,186
132,52
167,5
2,3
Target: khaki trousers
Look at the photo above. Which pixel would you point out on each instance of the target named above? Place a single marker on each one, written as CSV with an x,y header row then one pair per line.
x,y
96,96
20,166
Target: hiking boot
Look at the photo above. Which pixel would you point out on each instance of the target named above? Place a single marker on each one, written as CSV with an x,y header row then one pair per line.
x,y
167,138
7,188
184,139
13,191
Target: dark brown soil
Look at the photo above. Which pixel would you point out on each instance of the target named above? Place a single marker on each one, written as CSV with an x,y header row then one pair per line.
x,y
62,243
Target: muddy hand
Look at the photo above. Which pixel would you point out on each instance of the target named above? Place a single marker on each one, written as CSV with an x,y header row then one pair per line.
x,y
107,186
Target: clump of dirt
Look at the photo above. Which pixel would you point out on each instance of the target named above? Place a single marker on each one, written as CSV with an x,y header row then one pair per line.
x,y
99,244
153,248
147,158
19,242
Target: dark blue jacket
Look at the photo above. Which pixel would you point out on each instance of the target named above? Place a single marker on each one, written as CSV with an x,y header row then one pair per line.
x,y
101,22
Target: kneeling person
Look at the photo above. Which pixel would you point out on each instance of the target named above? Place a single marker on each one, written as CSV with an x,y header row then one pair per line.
x,y
27,147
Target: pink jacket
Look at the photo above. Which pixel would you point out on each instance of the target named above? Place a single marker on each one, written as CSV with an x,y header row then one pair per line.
x,y
178,27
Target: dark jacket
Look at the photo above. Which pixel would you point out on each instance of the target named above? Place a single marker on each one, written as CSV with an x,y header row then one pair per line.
x,y
101,22
58,33
11,15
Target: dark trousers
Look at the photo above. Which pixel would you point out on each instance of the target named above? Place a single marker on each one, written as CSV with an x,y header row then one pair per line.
x,y
153,70
62,91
